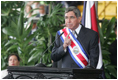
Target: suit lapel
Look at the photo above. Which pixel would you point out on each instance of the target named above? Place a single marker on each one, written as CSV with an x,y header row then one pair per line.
x,y
83,38
82,33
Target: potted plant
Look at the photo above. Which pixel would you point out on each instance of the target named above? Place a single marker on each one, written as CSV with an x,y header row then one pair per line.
x,y
107,36
30,54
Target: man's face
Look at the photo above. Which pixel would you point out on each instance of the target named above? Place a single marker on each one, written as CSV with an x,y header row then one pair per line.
x,y
13,61
71,21
41,10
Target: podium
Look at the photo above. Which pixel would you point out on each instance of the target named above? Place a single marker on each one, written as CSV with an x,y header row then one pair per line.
x,y
29,72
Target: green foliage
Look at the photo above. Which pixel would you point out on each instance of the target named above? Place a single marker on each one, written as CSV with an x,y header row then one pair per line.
x,y
30,52
9,16
48,25
9,11
107,36
20,41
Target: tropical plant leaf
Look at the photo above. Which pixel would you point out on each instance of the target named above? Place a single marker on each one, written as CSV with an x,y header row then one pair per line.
x,y
107,75
5,12
20,23
112,70
100,33
104,25
26,32
36,54
10,42
12,47
110,27
9,31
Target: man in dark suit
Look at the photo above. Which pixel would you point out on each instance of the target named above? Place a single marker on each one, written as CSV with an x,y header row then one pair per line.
x,y
87,37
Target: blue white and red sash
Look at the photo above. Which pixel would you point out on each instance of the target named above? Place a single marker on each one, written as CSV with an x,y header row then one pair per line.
x,y
75,49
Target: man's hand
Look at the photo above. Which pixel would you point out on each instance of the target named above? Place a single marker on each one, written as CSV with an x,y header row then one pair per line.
x,y
67,41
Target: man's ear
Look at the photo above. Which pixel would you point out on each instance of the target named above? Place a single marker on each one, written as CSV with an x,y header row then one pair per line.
x,y
79,19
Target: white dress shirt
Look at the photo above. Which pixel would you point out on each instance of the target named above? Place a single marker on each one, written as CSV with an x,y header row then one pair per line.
x,y
77,30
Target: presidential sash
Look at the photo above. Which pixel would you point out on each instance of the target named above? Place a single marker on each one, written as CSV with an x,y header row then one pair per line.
x,y
75,49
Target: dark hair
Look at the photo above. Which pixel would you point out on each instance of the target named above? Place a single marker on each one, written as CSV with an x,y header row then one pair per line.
x,y
74,9
14,55
30,7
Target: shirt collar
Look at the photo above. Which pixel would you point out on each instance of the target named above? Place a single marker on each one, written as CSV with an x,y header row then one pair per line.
x,y
78,29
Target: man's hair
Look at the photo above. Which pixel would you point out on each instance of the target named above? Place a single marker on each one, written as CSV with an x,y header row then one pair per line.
x,y
74,9
14,55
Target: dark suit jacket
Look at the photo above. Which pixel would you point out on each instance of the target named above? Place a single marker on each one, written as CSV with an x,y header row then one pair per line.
x,y
89,39
113,50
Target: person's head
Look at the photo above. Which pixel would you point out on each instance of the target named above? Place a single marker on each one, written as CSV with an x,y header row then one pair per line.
x,y
13,60
42,9
28,8
72,17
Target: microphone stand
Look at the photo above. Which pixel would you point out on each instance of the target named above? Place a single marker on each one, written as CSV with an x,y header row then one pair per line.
x,y
41,64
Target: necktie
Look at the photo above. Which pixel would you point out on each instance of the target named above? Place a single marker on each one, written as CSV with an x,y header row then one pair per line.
x,y
73,33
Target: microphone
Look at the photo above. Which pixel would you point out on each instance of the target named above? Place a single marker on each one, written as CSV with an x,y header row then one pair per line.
x,y
40,64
